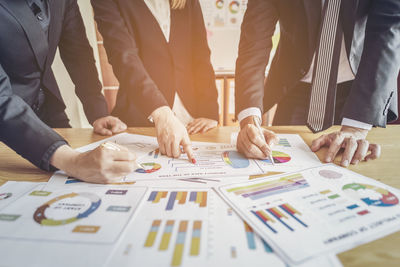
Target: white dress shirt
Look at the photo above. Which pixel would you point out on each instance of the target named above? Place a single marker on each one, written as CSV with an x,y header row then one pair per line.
x,y
345,74
161,11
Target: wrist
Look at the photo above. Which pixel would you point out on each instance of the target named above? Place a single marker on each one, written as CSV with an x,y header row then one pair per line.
x,y
248,120
64,157
161,113
354,130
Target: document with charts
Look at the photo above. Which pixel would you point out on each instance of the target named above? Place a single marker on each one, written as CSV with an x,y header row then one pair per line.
x,y
325,208
90,215
11,191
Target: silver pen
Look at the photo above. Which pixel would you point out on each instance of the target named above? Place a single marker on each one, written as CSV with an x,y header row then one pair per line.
x,y
257,123
111,146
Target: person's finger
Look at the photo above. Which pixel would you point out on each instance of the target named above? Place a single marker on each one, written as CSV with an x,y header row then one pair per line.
x,y
103,131
206,128
175,149
253,135
196,129
362,150
192,123
270,137
161,145
168,145
334,147
249,149
117,126
187,148
121,168
319,142
350,149
375,152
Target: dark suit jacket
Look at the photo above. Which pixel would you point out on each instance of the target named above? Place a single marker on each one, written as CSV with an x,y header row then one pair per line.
x,y
372,38
26,57
149,69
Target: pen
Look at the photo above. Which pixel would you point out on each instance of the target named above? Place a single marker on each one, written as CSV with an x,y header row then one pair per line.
x,y
111,146
257,123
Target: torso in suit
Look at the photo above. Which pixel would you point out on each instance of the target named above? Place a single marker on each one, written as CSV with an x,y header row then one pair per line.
x,y
372,40
26,56
150,69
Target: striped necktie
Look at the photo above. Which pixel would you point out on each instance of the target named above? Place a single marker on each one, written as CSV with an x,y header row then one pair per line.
x,y
321,111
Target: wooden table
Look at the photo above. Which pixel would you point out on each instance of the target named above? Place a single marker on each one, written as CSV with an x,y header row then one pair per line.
x,y
385,251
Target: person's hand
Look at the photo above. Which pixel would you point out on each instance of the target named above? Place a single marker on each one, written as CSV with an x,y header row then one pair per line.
x,y
171,134
251,144
100,165
354,142
201,125
108,126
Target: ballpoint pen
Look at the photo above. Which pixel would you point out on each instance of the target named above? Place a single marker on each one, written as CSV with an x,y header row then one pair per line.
x,y
257,123
111,146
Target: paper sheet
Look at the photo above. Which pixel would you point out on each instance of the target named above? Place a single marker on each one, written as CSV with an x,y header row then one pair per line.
x,y
324,209
11,191
95,215
290,154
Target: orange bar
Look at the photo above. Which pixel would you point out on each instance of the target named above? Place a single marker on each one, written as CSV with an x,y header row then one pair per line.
x,y
182,200
204,200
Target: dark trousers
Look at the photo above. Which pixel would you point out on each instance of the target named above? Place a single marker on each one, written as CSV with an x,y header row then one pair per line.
x,y
293,109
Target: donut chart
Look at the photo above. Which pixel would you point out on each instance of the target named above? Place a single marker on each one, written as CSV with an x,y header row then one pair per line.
x,y
235,159
371,195
278,157
234,7
40,217
5,196
219,4
150,167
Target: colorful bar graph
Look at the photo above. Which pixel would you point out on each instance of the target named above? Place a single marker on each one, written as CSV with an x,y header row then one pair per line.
x,y
166,235
264,218
151,237
284,142
196,234
266,189
251,242
278,216
199,198
292,212
179,245
156,153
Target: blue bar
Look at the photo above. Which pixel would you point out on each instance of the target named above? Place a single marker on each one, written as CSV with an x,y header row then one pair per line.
x,y
171,201
266,246
294,217
193,196
250,240
266,224
354,206
279,219
152,196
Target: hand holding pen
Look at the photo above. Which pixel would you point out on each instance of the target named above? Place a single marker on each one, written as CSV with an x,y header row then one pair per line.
x,y
254,141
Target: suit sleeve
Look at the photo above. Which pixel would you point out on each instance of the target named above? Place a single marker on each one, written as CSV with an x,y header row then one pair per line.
x,y
255,46
22,130
123,55
374,91
77,55
203,72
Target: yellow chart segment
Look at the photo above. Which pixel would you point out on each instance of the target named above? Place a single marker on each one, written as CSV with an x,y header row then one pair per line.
x,y
151,237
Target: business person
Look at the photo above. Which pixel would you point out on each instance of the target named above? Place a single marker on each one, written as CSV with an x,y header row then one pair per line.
x,y
159,53
30,100
336,63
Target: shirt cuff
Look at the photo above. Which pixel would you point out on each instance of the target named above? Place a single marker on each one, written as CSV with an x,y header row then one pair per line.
x,y
45,163
356,124
253,111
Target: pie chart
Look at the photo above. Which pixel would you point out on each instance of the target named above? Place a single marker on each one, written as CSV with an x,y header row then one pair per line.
x,y
371,195
149,167
235,159
278,157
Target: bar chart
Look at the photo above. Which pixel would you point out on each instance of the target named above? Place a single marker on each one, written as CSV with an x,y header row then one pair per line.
x,y
180,197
